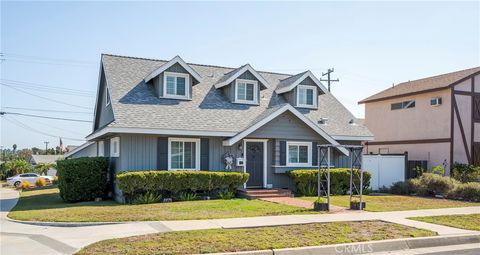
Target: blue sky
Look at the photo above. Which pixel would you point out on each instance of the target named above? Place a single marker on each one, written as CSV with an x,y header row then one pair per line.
x,y
370,44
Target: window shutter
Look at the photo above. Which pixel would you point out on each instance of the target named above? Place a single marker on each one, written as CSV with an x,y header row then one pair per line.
x,y
204,154
162,147
283,153
314,154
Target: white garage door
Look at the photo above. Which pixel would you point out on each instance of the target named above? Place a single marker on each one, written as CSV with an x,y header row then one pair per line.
x,y
385,169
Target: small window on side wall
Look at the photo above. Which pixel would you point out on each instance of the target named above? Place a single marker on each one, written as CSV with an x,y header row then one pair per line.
x,y
436,101
403,105
115,147
246,91
107,97
101,148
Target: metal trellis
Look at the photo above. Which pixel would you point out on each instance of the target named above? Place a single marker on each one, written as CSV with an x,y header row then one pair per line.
x,y
324,165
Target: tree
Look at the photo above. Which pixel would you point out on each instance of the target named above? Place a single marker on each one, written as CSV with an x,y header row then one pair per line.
x,y
17,166
25,154
14,146
42,168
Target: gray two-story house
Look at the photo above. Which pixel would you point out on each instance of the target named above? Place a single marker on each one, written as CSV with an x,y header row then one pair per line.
x,y
169,115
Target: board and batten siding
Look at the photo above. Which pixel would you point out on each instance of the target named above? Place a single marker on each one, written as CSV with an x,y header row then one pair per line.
x,y
137,152
104,114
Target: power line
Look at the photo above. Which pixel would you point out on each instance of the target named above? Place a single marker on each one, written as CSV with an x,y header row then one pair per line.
x,y
25,126
33,84
44,117
329,80
48,99
44,110
47,90
55,127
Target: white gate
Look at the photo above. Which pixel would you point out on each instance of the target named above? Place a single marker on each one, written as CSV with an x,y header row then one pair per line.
x,y
385,169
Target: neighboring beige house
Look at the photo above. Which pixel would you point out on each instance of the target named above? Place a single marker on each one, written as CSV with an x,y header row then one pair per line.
x,y
432,119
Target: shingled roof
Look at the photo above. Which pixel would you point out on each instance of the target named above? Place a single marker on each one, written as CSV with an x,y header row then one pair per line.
x,y
422,85
136,105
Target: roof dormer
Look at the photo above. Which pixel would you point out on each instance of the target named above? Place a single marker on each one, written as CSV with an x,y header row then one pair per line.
x,y
242,85
174,79
301,90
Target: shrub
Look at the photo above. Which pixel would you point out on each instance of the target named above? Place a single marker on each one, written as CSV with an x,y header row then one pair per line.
x,y
401,188
82,179
465,173
438,170
148,198
433,184
174,182
41,182
188,196
466,191
226,195
304,180
24,185
17,166
55,180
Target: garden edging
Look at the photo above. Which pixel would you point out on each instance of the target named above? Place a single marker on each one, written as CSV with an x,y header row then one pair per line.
x,y
370,246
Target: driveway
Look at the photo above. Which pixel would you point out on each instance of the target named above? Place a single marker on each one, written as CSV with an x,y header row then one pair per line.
x,y
19,238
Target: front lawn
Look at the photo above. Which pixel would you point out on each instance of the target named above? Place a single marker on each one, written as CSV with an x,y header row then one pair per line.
x,y
384,203
248,239
46,205
467,221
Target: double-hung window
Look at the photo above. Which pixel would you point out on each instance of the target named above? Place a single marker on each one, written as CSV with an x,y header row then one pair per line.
x,y
299,153
176,85
246,91
183,153
306,96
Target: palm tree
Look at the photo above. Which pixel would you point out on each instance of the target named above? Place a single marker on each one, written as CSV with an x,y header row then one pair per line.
x,y
14,146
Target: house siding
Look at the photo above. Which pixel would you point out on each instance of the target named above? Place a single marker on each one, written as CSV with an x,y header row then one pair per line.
x,y
104,114
138,152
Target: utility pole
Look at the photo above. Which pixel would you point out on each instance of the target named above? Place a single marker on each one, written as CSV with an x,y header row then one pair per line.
x,y
46,147
329,80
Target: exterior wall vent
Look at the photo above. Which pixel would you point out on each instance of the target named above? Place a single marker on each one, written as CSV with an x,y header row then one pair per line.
x,y
323,121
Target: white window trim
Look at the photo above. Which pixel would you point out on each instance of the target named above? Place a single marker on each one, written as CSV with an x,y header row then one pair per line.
x,y
309,156
112,141
187,85
255,92
107,97
315,96
197,152
437,99
101,148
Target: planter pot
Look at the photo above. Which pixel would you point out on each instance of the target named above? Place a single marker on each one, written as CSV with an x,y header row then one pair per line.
x,y
320,206
356,205
167,200
205,197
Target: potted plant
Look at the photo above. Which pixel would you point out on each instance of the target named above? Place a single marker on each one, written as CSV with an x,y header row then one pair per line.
x,y
355,204
320,204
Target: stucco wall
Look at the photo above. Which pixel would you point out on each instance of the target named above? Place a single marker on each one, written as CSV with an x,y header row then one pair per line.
x,y
424,121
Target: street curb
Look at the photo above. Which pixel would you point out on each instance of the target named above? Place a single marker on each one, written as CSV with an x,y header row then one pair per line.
x,y
62,224
369,247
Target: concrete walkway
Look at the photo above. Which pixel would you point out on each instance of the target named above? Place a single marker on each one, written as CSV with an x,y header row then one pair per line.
x,y
18,238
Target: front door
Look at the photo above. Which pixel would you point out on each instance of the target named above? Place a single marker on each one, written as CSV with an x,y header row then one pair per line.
x,y
254,164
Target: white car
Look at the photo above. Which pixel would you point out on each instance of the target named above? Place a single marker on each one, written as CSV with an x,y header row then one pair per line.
x,y
30,177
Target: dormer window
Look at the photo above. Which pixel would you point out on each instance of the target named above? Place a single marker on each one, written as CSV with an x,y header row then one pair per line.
x,y
306,96
176,85
246,91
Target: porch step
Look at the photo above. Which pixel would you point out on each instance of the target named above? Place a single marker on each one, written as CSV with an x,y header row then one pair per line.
x,y
265,193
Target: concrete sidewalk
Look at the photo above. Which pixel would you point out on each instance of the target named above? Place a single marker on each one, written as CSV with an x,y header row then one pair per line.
x,y
64,240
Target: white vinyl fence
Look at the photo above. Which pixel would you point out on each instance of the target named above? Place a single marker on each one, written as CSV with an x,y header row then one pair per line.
x,y
385,169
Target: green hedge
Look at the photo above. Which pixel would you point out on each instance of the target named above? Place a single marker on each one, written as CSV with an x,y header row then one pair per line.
x,y
306,181
175,182
82,179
